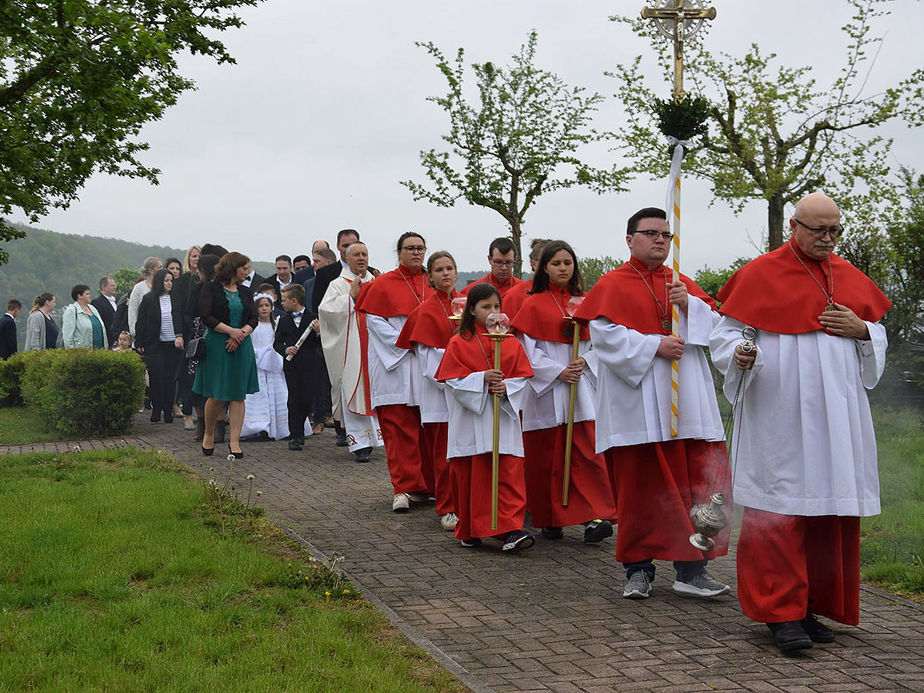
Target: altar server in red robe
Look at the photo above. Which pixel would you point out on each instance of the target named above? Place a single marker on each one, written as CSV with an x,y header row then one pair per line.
x,y
804,443
502,257
514,298
468,371
546,335
395,378
427,331
658,477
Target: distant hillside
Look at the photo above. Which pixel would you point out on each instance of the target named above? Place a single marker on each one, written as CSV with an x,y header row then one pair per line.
x,y
49,261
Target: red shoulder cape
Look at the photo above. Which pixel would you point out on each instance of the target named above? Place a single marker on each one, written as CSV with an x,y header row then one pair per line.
x,y
774,292
622,297
464,357
429,324
489,279
542,317
513,299
394,293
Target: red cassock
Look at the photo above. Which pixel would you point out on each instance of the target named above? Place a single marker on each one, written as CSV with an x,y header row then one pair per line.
x,y
471,474
395,294
656,484
513,298
788,563
590,494
502,289
429,325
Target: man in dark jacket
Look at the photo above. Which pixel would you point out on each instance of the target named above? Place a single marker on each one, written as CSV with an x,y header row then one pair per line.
x,y
105,305
8,338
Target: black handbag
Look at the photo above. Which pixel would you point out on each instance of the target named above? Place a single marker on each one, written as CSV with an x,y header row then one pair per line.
x,y
195,349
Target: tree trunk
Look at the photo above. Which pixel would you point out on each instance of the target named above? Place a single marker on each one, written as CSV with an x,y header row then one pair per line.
x,y
775,222
515,235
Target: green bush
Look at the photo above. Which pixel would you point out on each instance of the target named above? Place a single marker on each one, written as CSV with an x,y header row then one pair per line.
x,y
85,392
11,372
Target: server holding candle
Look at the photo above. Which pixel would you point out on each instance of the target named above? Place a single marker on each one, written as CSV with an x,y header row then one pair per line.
x,y
546,330
468,369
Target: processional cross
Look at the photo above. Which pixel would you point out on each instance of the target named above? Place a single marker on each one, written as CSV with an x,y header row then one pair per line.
x,y
678,20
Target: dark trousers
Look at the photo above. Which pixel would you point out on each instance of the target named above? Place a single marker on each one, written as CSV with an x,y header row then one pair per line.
x,y
163,361
299,402
321,406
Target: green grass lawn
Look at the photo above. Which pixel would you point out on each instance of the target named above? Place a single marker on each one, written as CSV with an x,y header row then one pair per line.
x,y
118,571
892,544
24,425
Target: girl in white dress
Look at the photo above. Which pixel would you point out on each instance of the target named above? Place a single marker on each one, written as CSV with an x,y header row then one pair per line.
x,y
266,411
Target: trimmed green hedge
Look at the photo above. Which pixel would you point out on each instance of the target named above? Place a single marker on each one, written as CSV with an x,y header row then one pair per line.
x,y
84,392
11,371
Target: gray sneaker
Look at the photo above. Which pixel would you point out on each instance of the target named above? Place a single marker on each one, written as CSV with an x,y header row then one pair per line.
x,y
638,586
701,585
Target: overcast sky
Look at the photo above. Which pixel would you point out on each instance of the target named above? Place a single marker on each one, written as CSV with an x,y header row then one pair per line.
x,y
325,112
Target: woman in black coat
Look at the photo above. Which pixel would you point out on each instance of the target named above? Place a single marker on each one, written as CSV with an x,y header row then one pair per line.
x,y
159,336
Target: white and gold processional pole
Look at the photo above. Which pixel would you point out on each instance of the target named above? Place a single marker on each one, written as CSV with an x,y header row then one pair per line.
x,y
678,20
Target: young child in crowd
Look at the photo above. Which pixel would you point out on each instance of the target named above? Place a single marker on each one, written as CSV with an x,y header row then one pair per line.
x,y
298,370
266,412
123,342
468,370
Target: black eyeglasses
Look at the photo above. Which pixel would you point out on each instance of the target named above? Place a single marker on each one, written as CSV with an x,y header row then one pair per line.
x,y
818,232
414,248
651,234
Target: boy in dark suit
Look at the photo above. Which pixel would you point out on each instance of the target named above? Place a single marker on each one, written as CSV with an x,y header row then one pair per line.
x,y
291,326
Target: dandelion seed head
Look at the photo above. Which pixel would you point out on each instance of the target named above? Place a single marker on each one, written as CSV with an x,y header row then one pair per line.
x,y
250,477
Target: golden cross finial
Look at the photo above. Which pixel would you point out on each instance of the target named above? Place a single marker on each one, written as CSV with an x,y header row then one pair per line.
x,y
679,20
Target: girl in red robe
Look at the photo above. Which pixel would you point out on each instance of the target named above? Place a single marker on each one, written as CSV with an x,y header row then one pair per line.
x,y
468,371
546,333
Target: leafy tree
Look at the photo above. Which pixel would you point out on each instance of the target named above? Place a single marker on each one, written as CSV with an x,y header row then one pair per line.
x,y
518,141
885,240
125,280
592,268
711,280
78,79
772,134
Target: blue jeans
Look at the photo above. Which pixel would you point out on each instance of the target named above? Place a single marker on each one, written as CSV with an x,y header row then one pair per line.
x,y
685,569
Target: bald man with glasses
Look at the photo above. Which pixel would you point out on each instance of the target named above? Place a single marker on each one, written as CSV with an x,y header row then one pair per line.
x,y
804,443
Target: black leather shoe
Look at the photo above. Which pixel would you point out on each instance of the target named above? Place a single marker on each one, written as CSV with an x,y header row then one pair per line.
x,y
237,455
207,451
295,444
362,455
789,636
342,441
553,532
155,416
816,630
168,417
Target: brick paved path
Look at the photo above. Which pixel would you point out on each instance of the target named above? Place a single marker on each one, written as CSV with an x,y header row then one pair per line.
x,y
552,618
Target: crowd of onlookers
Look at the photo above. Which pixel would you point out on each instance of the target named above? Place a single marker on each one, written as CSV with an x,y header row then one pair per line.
x,y
160,319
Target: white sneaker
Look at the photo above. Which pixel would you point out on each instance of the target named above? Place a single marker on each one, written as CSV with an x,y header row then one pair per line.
x,y
449,521
401,503
418,497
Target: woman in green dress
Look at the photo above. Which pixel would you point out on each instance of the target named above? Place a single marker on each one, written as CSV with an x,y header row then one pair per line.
x,y
228,373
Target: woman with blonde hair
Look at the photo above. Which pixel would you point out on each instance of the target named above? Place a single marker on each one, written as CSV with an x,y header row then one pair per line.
x,y
41,331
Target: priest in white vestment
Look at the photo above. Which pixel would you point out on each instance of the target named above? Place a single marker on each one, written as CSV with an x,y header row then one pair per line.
x,y
804,447
343,341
